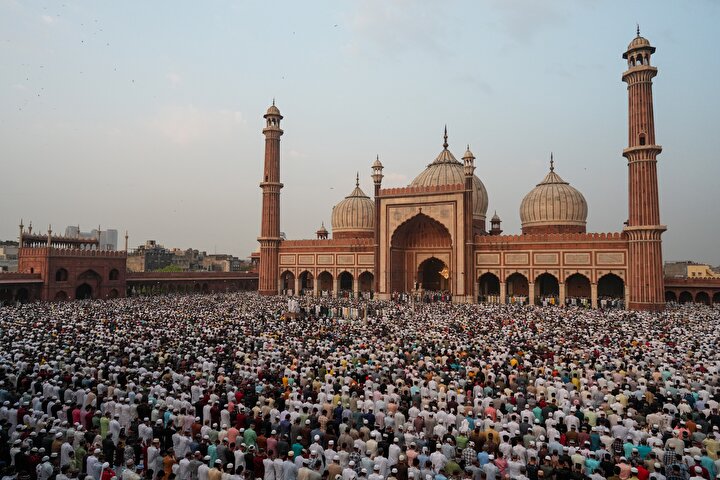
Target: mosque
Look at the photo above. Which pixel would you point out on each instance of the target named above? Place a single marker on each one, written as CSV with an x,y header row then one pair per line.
x,y
433,235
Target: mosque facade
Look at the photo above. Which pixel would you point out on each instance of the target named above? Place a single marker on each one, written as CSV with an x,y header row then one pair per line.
x,y
434,235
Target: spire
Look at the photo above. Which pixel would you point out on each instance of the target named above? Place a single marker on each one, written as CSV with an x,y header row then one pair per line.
x,y
357,179
552,163
638,29
445,144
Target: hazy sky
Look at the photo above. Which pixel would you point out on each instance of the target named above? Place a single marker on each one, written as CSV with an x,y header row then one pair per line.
x,y
147,116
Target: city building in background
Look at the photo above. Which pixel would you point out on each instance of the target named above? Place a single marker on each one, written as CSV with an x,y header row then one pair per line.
x,y
690,269
108,238
8,256
152,257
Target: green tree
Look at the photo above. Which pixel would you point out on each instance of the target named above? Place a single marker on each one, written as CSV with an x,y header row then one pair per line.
x,y
170,268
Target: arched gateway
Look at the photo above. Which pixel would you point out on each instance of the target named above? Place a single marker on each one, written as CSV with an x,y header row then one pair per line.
x,y
420,252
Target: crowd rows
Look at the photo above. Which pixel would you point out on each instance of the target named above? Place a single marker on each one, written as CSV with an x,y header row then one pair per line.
x,y
233,387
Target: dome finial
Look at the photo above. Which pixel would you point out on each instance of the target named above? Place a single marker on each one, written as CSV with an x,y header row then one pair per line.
x,y
273,101
357,179
445,144
638,29
552,162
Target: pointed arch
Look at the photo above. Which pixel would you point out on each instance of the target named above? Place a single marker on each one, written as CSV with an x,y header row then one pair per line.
x,y
546,286
517,288
365,282
611,286
488,286
685,297
325,282
61,275
307,282
702,297
287,283
345,281
433,275
412,243
577,285
421,231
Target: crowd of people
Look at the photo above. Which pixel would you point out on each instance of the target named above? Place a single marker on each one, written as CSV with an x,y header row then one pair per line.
x,y
234,387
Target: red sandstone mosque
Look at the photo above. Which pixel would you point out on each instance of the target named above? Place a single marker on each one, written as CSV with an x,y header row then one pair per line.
x,y
433,235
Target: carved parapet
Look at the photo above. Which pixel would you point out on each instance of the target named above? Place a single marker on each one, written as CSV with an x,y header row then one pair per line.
x,y
159,276
550,237
11,276
418,190
692,282
339,242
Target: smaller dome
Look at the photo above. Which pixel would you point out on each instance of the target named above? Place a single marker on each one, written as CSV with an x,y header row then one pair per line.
x,y
639,42
273,110
553,206
468,153
354,216
495,218
377,163
322,230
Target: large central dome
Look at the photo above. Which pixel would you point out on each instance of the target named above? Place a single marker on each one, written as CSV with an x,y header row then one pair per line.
x,y
447,170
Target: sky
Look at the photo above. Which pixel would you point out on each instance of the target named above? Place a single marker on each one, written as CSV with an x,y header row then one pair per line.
x,y
147,116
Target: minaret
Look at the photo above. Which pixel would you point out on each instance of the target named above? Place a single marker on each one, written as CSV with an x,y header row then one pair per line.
x,y
495,225
645,279
377,176
469,170
270,223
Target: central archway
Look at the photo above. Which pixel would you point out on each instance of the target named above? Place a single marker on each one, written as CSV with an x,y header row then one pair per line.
x,y
433,275
415,242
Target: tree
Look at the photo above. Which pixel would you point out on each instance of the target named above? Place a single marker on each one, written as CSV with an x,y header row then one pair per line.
x,y
170,268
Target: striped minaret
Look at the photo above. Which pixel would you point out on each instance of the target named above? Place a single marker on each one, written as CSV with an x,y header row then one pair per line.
x,y
270,223
644,231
